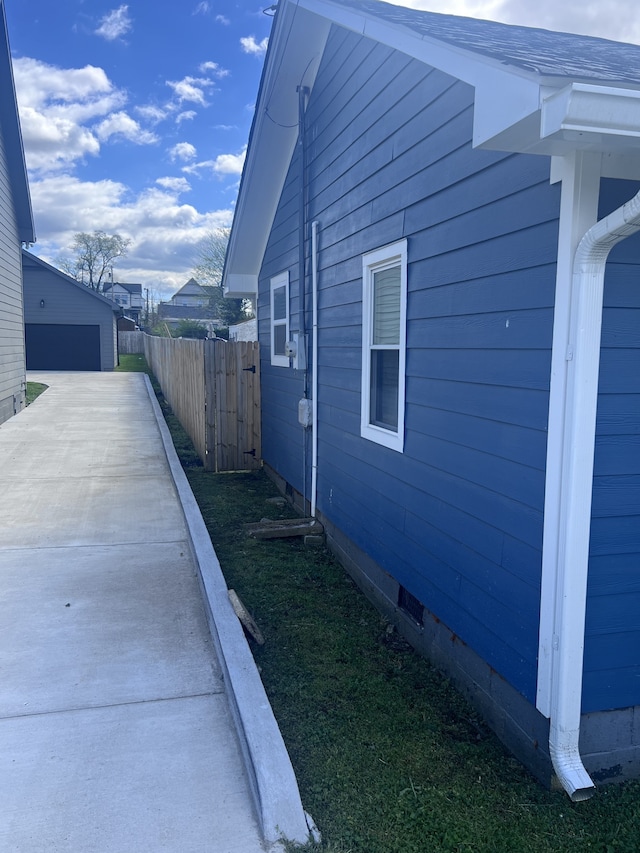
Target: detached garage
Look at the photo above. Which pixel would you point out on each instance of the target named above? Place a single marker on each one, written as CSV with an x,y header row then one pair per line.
x,y
67,325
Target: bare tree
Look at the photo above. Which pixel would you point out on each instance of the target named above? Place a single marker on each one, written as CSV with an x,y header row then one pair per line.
x,y
93,257
208,271
211,255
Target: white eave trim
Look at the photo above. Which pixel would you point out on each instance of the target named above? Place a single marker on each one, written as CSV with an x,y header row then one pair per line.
x,y
575,117
514,110
581,109
240,286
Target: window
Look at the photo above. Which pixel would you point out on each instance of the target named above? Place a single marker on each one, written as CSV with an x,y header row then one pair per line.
x,y
384,308
279,319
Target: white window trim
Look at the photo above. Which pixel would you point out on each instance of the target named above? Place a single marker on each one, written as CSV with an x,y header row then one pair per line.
x,y
276,282
388,256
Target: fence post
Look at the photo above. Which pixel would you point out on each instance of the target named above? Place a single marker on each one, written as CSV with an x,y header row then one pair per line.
x,y
211,462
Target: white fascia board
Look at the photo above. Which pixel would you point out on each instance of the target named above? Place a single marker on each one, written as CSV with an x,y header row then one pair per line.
x,y
293,58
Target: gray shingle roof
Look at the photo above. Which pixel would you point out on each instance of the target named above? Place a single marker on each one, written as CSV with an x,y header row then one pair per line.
x,y
543,52
184,312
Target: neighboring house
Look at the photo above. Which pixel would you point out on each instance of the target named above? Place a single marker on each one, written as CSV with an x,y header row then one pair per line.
x,y
16,228
172,315
445,172
68,326
191,302
127,296
192,294
246,331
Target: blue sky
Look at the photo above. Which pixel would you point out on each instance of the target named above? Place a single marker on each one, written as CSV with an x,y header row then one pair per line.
x,y
135,116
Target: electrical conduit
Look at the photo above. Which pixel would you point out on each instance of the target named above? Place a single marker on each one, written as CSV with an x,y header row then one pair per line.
x,y
314,367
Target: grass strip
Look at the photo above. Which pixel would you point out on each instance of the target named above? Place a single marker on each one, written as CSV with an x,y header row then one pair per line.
x,y
34,389
388,756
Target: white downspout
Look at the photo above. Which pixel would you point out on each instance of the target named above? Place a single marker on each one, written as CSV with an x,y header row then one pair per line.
x,y
583,357
314,366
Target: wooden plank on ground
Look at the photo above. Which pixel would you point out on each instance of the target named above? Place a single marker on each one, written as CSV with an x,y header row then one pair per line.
x,y
284,528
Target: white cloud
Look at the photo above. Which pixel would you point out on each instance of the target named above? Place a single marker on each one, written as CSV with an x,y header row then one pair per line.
x,y
202,8
250,45
38,83
152,113
164,233
223,164
175,185
183,151
52,143
187,115
213,68
191,89
220,19
115,24
121,124
229,164
55,103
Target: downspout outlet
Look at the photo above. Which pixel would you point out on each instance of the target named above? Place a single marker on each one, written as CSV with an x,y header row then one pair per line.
x,y
569,768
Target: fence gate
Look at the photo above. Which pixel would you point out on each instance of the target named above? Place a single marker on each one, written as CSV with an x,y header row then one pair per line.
x,y
232,379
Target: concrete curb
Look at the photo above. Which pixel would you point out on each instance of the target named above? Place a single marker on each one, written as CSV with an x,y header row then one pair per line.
x,y
273,782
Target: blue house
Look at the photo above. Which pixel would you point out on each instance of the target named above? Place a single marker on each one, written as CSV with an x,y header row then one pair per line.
x,y
437,221
16,228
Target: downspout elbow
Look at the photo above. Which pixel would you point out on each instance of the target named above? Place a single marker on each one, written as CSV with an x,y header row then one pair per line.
x,y
567,763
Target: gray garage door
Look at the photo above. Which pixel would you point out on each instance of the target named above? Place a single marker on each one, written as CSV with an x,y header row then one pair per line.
x,y
62,347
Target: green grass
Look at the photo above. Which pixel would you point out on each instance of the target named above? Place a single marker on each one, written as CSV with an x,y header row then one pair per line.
x,y
389,757
133,364
34,389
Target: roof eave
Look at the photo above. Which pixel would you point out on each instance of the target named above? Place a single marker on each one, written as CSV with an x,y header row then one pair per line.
x,y
295,49
575,116
35,261
13,140
515,109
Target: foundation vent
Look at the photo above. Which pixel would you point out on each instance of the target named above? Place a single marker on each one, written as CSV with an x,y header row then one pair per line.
x,y
410,605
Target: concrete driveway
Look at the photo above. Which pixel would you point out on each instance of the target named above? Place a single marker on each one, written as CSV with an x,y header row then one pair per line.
x,y
122,726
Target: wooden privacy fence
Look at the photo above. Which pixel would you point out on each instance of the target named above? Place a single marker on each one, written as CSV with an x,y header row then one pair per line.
x,y
130,343
213,388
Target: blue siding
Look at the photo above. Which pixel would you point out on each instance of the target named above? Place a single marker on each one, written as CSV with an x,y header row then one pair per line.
x,y
456,518
612,663
282,437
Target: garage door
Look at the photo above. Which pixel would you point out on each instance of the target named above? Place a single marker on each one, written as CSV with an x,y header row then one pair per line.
x,y
60,347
